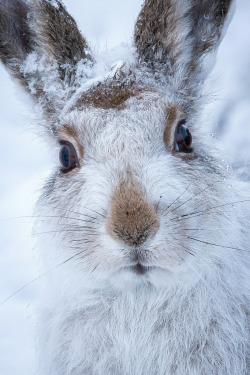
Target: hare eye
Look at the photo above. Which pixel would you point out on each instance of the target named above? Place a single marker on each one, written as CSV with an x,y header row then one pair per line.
x,y
68,157
183,138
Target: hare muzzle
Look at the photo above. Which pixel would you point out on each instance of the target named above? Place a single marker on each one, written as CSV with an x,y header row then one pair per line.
x,y
132,220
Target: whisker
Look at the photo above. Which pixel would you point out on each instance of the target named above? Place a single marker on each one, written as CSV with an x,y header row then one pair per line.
x,y
206,210
178,198
79,213
225,260
39,277
49,217
93,270
217,245
202,229
182,246
191,252
69,230
178,223
87,208
191,198
19,290
86,251
82,241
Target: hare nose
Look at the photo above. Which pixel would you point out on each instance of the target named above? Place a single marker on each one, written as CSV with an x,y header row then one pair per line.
x,y
132,220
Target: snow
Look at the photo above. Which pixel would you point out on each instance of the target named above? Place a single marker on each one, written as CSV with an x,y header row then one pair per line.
x,y
230,83
26,158
54,3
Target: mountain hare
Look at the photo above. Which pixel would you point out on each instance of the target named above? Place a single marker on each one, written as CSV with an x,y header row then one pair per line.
x,y
143,235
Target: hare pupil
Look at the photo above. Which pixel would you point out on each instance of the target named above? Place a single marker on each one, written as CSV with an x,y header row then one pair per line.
x,y
64,156
185,134
183,138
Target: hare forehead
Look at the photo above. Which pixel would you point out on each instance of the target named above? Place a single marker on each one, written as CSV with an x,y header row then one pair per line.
x,y
144,119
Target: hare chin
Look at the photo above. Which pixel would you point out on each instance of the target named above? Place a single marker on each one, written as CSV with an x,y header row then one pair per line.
x,y
137,275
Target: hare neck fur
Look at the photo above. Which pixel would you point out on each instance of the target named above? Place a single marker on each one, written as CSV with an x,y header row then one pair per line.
x,y
148,332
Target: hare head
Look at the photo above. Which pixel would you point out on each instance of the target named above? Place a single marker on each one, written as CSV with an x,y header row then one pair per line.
x,y
135,177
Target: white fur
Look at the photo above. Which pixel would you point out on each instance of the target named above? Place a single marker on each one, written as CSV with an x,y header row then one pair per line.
x,y
189,316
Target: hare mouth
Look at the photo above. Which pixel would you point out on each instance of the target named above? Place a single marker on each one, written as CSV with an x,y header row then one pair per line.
x,y
140,269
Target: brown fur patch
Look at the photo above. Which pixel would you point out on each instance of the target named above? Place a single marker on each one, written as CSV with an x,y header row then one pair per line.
x,y
160,25
132,220
39,26
111,95
16,37
158,33
59,34
66,133
173,35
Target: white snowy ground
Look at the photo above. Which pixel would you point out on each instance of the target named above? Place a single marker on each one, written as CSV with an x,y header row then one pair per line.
x,y
25,159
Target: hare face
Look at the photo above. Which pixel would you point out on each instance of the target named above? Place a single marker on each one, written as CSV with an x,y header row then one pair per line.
x,y
123,212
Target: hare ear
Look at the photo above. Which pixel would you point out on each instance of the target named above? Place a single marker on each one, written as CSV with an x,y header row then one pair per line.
x,y
160,32
16,37
58,34
208,18
174,35
41,46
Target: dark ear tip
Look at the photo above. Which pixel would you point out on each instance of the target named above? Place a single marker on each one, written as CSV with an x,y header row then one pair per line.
x,y
16,38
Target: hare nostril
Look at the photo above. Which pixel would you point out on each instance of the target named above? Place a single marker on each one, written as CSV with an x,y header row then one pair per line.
x,y
132,220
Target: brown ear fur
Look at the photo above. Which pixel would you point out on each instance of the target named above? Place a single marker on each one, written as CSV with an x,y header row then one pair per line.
x,y
158,31
38,26
16,37
172,35
208,18
58,33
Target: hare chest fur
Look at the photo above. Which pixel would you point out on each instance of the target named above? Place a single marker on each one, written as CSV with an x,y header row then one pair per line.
x,y
141,235
148,332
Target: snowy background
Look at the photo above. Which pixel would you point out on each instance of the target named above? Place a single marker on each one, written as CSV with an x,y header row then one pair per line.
x,y
26,159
